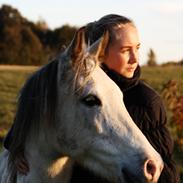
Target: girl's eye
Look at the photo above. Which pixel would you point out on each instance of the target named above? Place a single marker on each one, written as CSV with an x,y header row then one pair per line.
x,y
91,101
125,51
138,47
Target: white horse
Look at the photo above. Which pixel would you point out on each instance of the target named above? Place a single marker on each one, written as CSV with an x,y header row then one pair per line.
x,y
71,111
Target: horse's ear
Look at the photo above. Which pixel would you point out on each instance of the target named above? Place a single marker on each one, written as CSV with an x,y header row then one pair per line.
x,y
77,47
99,47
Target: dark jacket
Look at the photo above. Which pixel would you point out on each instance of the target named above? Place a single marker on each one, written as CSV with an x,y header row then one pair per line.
x,y
146,109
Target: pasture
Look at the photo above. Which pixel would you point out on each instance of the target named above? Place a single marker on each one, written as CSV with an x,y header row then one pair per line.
x,y
13,77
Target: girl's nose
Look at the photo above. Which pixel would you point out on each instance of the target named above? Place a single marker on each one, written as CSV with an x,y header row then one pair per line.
x,y
133,57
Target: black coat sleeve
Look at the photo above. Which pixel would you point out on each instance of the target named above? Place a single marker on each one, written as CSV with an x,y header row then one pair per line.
x,y
155,129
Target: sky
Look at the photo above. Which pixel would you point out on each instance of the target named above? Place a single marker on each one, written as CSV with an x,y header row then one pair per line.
x,y
160,22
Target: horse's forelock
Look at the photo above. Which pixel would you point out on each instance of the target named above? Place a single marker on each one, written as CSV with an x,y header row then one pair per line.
x,y
83,70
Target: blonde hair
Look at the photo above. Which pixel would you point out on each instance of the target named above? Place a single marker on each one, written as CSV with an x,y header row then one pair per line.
x,y
96,29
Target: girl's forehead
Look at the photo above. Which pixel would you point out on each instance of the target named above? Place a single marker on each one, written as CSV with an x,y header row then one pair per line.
x,y
125,34
124,29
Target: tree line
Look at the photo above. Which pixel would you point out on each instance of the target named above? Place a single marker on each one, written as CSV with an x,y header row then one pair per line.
x,y
23,42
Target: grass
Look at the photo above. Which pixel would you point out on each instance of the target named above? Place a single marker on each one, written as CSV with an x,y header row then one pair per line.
x,y
158,76
12,79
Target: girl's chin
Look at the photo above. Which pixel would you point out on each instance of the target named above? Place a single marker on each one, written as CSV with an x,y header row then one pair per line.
x,y
128,74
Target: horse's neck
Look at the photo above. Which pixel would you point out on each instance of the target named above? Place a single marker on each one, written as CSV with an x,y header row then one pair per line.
x,y
60,170
44,169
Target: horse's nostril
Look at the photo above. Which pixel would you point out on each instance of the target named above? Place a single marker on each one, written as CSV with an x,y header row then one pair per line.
x,y
150,169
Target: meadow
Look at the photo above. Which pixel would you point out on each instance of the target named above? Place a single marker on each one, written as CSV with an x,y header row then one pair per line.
x,y
12,79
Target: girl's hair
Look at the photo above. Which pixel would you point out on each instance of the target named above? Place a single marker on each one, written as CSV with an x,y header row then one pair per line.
x,y
96,29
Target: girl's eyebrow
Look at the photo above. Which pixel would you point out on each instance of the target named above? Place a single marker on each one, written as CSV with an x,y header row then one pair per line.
x,y
122,47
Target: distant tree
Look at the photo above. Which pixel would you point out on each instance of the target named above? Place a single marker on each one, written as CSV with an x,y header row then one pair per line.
x,y
62,36
181,62
41,24
10,16
27,43
31,48
10,21
18,43
9,44
151,58
169,63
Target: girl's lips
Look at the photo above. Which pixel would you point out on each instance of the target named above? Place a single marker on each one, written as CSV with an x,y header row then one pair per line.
x,y
130,69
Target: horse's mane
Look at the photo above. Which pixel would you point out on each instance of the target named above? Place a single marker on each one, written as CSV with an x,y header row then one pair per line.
x,y
39,90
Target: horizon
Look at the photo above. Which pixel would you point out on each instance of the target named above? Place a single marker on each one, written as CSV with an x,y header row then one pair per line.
x,y
159,22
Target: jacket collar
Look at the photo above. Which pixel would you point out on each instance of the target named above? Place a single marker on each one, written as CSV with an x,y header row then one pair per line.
x,y
124,83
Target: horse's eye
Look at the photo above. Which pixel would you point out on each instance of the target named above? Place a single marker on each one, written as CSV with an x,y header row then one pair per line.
x,y
91,100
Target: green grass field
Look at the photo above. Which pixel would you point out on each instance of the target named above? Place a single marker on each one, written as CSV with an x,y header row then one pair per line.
x,y
12,79
157,76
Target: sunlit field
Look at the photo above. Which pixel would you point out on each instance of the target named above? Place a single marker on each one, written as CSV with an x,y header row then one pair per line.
x,y
12,79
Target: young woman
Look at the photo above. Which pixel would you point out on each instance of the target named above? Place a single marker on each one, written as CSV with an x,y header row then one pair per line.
x,y
121,63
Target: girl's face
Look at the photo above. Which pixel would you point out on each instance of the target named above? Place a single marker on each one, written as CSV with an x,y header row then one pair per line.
x,y
122,54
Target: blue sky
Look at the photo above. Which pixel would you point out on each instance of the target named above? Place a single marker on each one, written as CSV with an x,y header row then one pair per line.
x,y
160,22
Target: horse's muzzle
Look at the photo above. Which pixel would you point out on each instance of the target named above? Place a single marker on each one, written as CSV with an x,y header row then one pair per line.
x,y
148,173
